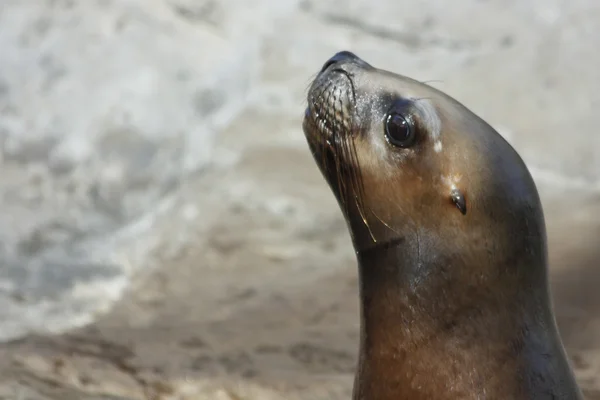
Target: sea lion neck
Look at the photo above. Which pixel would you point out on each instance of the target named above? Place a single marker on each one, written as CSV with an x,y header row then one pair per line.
x,y
427,328
421,276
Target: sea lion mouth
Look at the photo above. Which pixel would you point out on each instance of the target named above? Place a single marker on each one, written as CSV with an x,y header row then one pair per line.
x,y
330,126
331,102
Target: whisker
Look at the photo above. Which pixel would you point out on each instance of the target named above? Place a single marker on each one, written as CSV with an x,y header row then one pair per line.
x,y
421,98
383,222
432,80
339,158
327,107
309,83
323,142
358,191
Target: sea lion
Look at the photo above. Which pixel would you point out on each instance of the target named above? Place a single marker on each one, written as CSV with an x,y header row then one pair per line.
x,y
450,240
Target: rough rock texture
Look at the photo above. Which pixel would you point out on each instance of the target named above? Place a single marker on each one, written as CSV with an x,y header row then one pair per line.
x,y
165,233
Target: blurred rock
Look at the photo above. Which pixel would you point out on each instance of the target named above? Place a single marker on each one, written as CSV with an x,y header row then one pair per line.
x,y
106,108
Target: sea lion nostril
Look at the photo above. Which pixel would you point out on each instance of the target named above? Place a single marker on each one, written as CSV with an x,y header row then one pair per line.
x,y
341,57
328,63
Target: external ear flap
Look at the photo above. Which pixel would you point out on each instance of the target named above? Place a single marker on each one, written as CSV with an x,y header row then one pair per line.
x,y
459,201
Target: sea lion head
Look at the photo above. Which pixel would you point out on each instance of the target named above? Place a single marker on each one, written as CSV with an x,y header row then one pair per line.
x,y
449,234
403,158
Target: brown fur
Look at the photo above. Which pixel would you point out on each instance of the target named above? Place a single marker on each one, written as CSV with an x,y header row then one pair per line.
x,y
453,306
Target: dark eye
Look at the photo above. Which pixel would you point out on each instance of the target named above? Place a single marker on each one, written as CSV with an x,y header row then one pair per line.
x,y
399,131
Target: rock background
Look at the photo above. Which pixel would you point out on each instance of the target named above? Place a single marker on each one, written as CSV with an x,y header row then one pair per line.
x,y
164,232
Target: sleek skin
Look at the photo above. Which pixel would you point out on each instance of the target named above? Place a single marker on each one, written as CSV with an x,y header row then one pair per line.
x,y
450,240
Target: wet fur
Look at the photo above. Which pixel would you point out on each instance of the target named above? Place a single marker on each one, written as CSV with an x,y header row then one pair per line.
x,y
453,306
